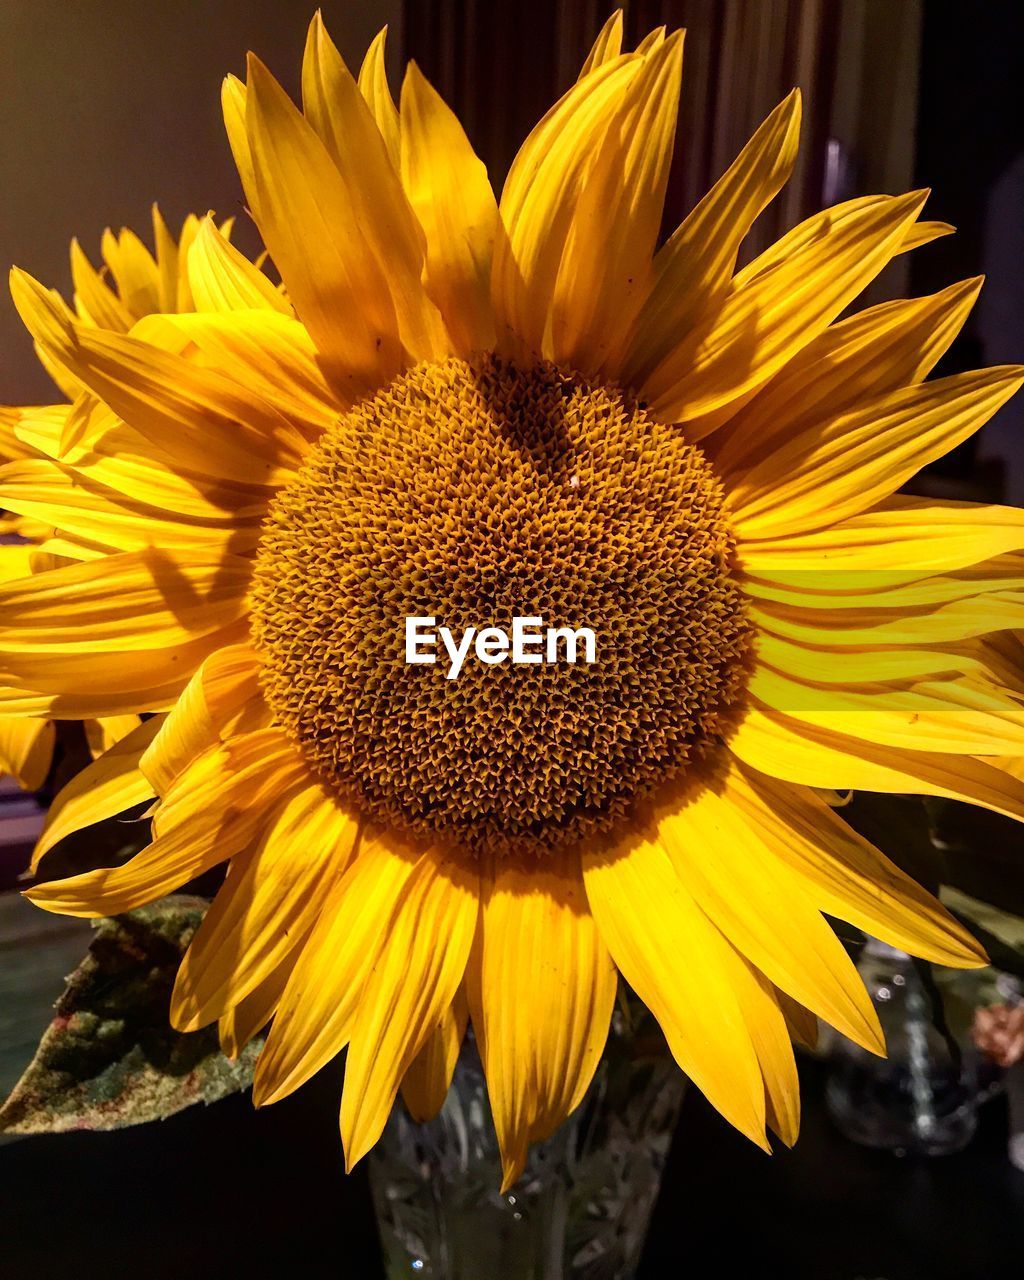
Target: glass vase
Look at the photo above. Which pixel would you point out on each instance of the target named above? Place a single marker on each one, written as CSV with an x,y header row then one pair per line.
x,y
583,1206
922,1097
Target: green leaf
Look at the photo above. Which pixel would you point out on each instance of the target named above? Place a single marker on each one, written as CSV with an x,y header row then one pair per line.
x,y
110,1058
1000,932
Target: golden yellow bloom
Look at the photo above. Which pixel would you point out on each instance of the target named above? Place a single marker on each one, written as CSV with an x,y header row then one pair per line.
x,y
136,284
480,410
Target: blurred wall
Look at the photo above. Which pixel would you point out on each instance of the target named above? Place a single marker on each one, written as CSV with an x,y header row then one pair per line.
x,y
107,105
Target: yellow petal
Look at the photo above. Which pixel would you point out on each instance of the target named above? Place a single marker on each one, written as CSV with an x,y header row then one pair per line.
x,y
274,356
222,279
73,503
214,426
901,538
115,635
604,271
420,961
840,466
759,1001
26,750
189,231
960,619
841,596
847,876
135,272
328,233
168,265
607,46
772,311
541,999
13,420
811,229
339,113
115,456
451,195
765,911
373,85
88,689
139,600
95,301
271,899
428,1079
876,351
795,751
314,1019
681,968
241,1022
309,217
218,692
540,201
694,268
653,40
107,731
39,430
233,104
957,715
216,809
15,561
867,666
110,785
922,233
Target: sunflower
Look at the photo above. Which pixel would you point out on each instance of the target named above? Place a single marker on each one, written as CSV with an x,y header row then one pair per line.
x,y
135,283
478,410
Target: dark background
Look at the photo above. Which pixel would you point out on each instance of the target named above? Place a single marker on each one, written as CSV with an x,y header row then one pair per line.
x,y
230,1193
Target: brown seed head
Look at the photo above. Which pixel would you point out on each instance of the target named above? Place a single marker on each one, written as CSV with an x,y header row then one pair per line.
x,y
474,493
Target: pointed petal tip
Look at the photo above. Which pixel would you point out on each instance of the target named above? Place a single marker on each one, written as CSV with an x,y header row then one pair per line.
x,y
358,1145
674,40
262,1093
512,1166
970,954
760,1139
969,287
48,898
184,1014
256,69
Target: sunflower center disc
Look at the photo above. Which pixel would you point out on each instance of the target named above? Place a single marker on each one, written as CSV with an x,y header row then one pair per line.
x,y
476,493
